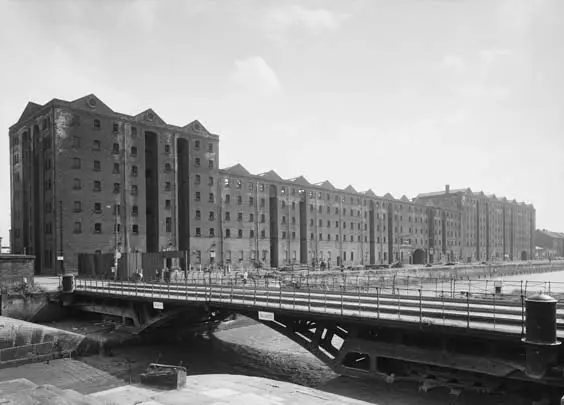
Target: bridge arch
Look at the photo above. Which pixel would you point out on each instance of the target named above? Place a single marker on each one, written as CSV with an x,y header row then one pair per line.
x,y
418,256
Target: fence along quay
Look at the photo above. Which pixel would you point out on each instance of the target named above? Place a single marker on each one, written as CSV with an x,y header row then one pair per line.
x,y
500,322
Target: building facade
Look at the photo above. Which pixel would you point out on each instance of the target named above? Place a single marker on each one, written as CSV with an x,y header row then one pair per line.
x,y
486,227
87,179
549,244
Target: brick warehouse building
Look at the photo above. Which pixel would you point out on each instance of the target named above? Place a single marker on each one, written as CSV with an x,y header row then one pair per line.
x,y
85,179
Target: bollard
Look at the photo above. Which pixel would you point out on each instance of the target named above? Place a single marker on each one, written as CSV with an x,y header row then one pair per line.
x,y
68,283
541,334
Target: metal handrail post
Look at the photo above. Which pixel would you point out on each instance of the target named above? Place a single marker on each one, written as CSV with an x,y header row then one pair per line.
x,y
468,310
420,307
378,301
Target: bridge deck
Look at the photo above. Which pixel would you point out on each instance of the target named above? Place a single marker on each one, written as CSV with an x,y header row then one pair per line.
x,y
503,317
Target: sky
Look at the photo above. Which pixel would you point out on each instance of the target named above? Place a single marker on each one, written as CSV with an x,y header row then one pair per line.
x,y
401,96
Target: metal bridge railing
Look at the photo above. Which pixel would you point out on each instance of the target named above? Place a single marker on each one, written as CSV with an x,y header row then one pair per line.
x,y
369,283
379,304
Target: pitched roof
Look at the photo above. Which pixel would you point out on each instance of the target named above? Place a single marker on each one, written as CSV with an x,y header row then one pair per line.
x,y
271,175
388,196
370,193
443,192
350,189
91,102
151,116
555,235
301,180
326,184
196,127
29,109
237,169
404,198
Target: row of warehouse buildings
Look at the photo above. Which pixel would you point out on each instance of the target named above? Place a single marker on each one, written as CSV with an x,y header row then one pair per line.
x,y
86,179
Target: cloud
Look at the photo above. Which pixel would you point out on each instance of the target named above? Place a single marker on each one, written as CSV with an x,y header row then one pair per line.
x,y
473,77
519,15
277,21
254,77
453,62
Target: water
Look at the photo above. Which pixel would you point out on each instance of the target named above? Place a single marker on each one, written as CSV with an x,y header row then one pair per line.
x,y
253,349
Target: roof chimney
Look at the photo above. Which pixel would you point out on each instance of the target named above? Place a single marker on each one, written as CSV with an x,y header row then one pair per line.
x,y
447,189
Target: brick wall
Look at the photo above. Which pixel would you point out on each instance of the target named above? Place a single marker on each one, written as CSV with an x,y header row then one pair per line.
x,y
14,267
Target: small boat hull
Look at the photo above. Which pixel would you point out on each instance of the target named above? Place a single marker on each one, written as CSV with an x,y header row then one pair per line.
x,y
165,376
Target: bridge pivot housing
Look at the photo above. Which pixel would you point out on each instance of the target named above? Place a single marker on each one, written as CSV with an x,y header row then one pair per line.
x,y
68,283
541,334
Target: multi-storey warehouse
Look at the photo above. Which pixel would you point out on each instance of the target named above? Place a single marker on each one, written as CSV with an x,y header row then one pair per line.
x,y
86,179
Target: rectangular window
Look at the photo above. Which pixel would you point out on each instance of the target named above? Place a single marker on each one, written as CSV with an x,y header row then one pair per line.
x,y
251,201
227,198
227,216
240,216
228,233
116,168
134,151
77,227
210,181
97,186
97,208
115,148
168,224
198,232
77,206
134,211
97,227
240,233
116,188
135,229
76,163
211,216
210,147
197,145
167,186
212,232
197,161
134,171
197,179
134,190
76,142
167,148
211,198
210,164
167,204
76,184
97,166
133,131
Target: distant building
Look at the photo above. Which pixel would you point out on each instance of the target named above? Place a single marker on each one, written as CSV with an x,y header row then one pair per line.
x,y
551,243
87,179
486,227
